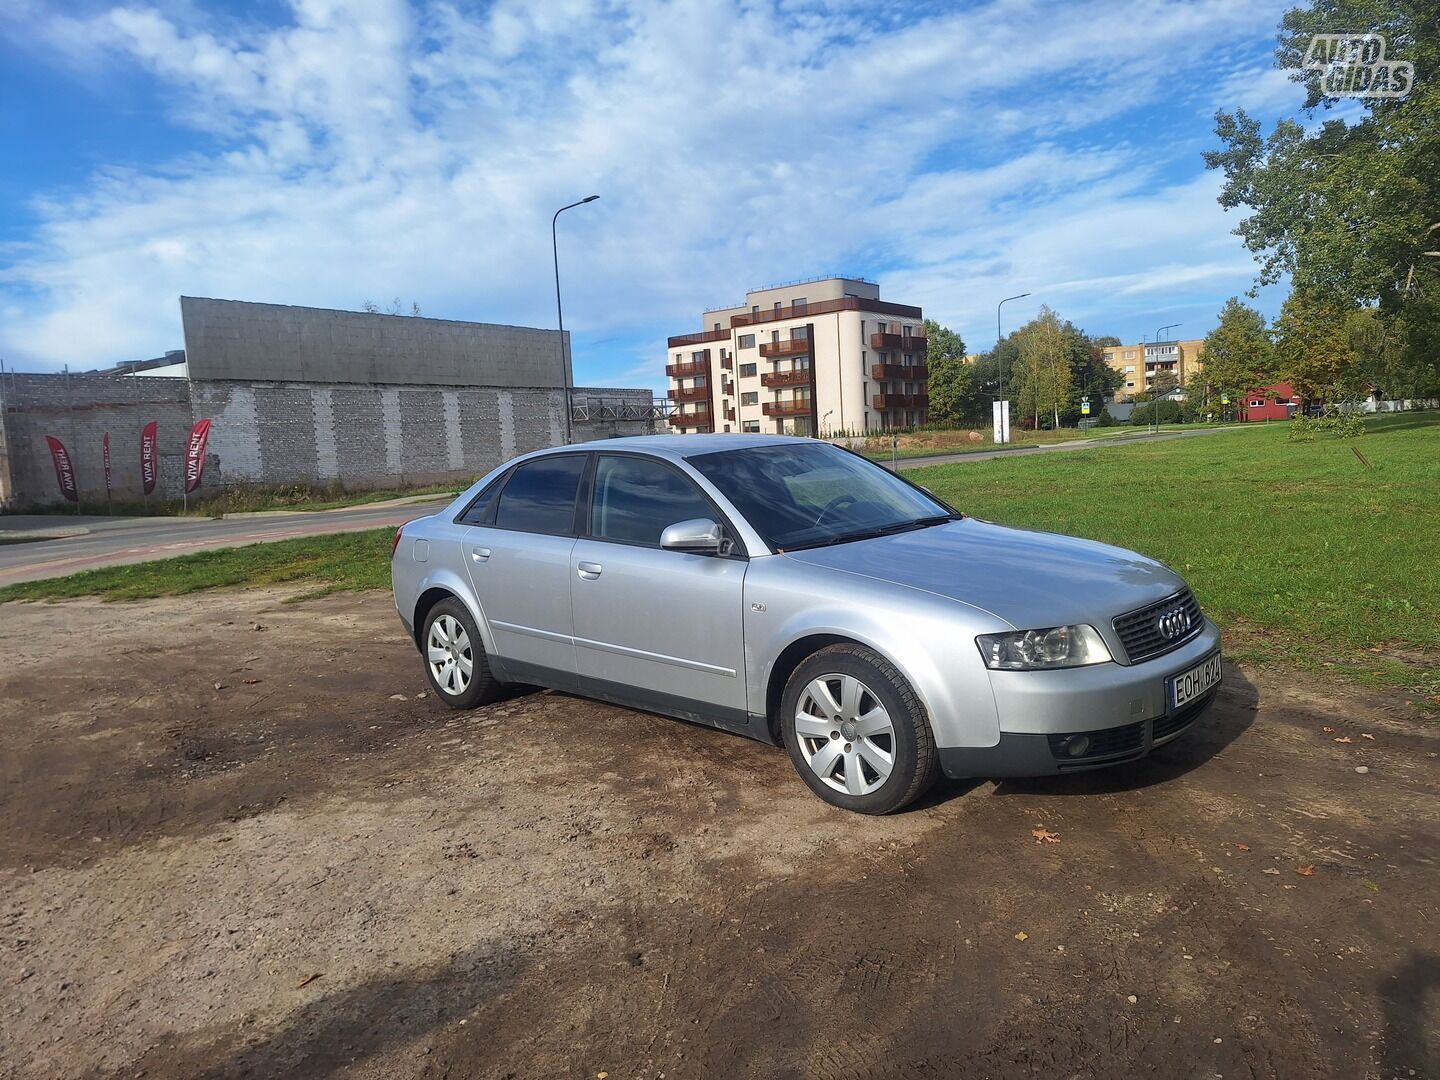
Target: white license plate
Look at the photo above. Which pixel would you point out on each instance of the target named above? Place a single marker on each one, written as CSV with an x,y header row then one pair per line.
x,y
1189,685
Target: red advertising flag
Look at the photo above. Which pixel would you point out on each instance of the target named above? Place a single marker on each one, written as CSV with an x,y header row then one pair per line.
x,y
105,453
148,459
64,468
195,455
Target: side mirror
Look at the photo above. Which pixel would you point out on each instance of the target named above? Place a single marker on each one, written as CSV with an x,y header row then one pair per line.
x,y
699,535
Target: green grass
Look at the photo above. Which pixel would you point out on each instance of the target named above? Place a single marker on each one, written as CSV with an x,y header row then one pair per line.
x,y
1300,552
334,563
1022,439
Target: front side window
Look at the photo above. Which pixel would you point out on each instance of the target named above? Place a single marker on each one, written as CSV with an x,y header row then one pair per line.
x,y
540,496
810,494
635,500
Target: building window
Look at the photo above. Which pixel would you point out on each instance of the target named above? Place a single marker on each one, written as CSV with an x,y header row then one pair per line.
x,y
798,304
750,397
679,357
778,307
1130,384
717,327
774,337
747,341
799,333
1130,354
747,371
754,309
1129,369
752,426
1258,403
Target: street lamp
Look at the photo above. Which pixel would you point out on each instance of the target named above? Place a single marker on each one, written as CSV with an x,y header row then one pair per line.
x,y
1004,430
559,314
1155,405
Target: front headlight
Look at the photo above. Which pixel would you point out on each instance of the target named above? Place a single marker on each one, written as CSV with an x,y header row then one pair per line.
x,y
1036,650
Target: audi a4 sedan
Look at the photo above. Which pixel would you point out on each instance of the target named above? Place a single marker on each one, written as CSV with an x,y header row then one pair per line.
x,y
792,591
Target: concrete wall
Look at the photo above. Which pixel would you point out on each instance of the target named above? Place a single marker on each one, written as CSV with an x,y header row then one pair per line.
x,y
232,339
279,433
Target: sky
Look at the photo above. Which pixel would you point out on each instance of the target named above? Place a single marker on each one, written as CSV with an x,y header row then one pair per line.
x,y
333,152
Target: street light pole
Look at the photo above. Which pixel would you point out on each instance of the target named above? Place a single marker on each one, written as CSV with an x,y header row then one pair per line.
x,y
1155,405
559,313
1004,402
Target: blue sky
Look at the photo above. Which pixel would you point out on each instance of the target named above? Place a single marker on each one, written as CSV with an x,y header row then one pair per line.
x,y
326,152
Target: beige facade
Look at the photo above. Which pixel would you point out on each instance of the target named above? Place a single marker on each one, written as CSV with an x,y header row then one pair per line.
x,y
1141,363
816,357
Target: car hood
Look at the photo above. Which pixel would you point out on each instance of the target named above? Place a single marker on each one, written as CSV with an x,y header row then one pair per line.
x,y
1030,579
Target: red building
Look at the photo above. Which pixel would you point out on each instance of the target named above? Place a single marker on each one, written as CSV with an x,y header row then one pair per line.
x,y
1276,402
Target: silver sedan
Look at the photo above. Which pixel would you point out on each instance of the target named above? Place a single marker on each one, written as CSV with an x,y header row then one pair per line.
x,y
794,592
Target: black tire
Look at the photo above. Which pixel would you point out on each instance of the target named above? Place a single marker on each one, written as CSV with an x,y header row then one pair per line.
x,y
915,765
481,687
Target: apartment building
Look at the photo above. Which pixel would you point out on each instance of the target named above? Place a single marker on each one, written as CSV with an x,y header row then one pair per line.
x,y
808,358
1141,363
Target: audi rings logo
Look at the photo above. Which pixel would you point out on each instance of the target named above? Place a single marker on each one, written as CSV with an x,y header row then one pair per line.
x,y
1173,623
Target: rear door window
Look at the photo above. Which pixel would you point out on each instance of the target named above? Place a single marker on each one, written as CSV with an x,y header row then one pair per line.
x,y
540,496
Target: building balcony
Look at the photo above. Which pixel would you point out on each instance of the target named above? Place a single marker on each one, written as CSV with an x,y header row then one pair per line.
x,y
699,420
796,377
796,407
679,341
900,401
824,307
897,343
688,369
691,393
727,363
886,372
730,415
791,347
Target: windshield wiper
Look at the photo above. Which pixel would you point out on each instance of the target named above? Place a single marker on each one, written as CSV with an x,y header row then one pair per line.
x,y
871,534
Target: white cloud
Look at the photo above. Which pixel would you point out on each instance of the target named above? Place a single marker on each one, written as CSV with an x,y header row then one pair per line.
x,y
374,149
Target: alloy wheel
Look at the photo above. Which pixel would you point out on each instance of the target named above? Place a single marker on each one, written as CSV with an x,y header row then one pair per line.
x,y
845,734
449,655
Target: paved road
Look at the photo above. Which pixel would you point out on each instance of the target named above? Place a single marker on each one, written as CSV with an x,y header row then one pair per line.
x,y
112,541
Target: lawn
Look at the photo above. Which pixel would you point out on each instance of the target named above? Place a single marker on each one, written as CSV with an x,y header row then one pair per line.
x,y
332,563
946,443
1299,551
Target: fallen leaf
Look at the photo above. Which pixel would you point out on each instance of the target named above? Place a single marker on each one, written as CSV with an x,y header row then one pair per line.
x,y
1270,870
1327,730
1022,936
1243,847
1305,871
1371,886
307,980
1044,836
1345,738
1367,735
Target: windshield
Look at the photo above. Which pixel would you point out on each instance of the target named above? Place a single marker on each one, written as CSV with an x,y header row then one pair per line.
x,y
805,494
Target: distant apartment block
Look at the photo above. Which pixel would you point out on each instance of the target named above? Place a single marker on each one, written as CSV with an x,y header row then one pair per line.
x,y
1141,363
804,359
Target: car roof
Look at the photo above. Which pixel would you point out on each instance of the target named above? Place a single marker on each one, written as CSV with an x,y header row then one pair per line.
x,y
686,445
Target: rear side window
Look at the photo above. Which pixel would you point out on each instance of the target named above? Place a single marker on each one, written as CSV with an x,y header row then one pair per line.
x,y
540,496
636,499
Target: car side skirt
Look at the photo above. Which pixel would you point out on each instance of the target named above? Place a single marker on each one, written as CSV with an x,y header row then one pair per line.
x,y
636,697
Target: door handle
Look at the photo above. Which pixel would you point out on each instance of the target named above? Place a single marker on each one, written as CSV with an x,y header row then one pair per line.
x,y
589,570
479,554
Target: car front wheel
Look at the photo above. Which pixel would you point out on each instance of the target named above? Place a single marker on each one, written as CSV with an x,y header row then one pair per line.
x,y
455,657
856,732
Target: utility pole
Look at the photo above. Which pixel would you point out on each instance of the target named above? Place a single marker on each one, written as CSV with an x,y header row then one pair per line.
x,y
1002,408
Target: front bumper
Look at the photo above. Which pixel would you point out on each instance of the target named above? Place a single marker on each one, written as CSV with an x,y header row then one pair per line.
x,y
1120,708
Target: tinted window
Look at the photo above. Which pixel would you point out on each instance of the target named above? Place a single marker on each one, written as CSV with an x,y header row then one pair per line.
x,y
635,499
540,496
479,511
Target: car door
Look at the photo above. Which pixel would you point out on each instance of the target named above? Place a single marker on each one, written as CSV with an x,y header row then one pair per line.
x,y
666,624
517,549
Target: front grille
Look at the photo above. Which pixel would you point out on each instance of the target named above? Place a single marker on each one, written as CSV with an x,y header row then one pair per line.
x,y
1119,740
1139,631
1166,726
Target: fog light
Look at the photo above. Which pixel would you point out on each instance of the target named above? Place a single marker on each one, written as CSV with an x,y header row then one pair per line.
x,y
1077,745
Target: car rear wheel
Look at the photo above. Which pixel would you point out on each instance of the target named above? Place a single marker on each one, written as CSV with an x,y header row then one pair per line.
x,y
856,732
454,657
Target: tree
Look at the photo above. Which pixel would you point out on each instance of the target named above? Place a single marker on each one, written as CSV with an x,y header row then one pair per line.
x,y
1044,377
1350,210
1313,349
954,397
1238,355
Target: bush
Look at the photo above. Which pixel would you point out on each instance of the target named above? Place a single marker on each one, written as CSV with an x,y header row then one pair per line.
x,y
1170,412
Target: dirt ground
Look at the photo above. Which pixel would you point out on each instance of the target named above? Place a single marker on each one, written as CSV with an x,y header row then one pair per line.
x,y
237,841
